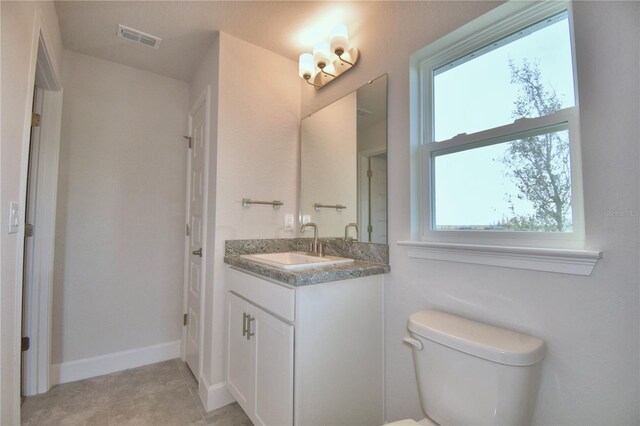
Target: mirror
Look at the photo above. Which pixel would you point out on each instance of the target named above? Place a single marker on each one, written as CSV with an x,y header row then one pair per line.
x,y
343,166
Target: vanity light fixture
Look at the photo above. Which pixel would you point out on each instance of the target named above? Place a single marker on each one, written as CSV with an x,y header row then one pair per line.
x,y
329,60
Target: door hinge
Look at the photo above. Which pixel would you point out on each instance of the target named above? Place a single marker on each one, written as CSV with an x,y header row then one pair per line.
x,y
188,138
25,344
185,319
369,173
369,229
187,232
35,119
28,230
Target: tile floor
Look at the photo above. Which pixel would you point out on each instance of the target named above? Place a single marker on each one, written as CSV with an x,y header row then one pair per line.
x,y
160,394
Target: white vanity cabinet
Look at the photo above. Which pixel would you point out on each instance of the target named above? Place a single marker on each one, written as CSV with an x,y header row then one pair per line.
x,y
306,355
260,370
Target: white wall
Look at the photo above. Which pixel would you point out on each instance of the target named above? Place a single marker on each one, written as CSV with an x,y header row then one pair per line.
x,y
590,324
328,166
255,136
120,217
21,25
373,137
258,153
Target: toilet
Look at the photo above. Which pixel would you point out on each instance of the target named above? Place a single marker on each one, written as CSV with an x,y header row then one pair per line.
x,y
471,373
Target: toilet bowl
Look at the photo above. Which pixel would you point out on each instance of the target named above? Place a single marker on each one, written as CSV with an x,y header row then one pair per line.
x,y
471,373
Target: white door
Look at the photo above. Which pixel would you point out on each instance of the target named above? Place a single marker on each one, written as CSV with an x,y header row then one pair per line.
x,y
195,234
273,375
239,351
378,167
29,360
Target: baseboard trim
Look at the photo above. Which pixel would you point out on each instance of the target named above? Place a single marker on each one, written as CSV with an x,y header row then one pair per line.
x,y
214,396
110,363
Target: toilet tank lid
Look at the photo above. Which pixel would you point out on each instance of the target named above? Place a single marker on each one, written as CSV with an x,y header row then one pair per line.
x,y
478,339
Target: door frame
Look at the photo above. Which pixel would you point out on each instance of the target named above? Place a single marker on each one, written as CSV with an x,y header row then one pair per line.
x,y
363,206
204,98
38,307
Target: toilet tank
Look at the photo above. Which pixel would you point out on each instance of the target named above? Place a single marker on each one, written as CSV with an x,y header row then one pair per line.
x,y
471,373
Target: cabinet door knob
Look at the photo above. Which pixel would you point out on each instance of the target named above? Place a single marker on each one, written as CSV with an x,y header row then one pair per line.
x,y
249,333
198,252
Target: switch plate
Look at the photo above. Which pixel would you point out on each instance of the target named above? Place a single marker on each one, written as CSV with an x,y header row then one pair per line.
x,y
14,217
289,222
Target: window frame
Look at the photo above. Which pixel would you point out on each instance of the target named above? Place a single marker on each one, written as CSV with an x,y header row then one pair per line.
x,y
489,28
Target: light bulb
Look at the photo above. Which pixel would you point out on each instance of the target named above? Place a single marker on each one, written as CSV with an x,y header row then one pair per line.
x,y
321,54
306,66
339,40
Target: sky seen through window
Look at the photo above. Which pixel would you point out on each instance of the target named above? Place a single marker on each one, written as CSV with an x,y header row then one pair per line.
x,y
471,187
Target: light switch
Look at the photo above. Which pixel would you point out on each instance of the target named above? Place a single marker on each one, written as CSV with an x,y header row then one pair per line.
x,y
289,222
306,218
14,217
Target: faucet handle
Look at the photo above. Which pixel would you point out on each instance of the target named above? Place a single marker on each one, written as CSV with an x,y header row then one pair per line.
x,y
320,249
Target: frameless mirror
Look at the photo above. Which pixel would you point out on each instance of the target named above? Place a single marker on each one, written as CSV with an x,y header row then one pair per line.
x,y
343,166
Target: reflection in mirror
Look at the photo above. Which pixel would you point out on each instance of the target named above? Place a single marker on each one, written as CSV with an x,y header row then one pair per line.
x,y
343,168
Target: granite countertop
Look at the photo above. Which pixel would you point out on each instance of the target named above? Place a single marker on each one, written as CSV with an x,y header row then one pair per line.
x,y
300,277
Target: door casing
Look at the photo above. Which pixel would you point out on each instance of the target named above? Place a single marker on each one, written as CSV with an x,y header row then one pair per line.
x,y
363,194
39,289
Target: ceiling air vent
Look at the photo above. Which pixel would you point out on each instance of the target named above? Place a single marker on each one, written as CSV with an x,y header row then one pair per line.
x,y
138,37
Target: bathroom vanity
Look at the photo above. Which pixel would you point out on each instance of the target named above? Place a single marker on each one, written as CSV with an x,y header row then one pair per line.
x,y
305,334
305,346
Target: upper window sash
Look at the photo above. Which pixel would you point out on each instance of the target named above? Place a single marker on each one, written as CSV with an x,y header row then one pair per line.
x,y
443,52
524,14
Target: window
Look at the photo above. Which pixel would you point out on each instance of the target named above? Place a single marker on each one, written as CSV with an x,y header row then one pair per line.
x,y
495,132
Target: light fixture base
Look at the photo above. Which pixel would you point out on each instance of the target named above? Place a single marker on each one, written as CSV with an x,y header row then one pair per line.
x,y
341,64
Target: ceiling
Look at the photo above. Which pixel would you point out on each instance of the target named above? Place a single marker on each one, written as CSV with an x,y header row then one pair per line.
x,y
187,28
372,103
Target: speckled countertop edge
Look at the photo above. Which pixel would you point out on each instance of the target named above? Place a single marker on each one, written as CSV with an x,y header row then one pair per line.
x,y
309,276
368,252
369,259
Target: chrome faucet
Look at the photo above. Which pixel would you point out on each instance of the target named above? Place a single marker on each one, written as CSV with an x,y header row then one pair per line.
x,y
315,247
346,232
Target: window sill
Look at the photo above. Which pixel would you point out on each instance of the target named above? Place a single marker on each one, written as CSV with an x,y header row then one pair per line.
x,y
576,262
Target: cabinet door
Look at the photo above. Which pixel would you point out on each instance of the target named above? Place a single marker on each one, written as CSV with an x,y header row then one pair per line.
x,y
239,351
273,374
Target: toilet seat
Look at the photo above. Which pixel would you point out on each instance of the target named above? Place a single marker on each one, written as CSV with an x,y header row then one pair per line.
x,y
410,422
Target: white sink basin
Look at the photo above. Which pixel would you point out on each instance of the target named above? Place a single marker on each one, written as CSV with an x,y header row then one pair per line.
x,y
295,260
